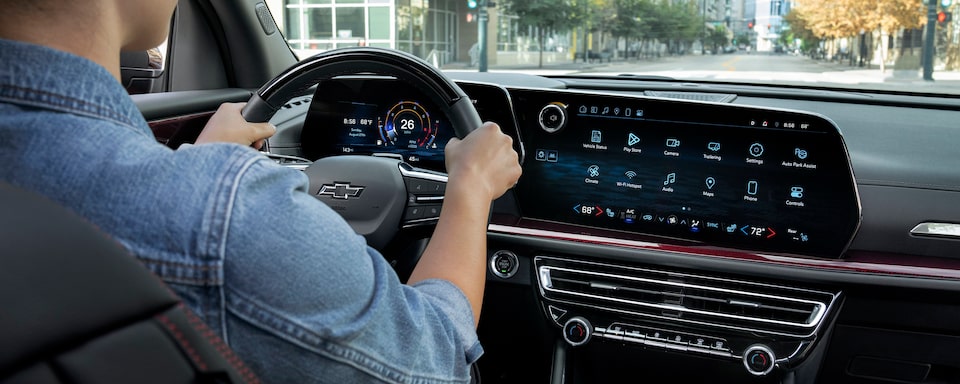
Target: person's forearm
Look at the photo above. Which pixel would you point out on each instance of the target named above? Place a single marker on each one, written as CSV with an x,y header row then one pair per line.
x,y
457,251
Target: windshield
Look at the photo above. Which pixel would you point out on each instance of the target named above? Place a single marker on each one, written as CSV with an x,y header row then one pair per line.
x,y
894,45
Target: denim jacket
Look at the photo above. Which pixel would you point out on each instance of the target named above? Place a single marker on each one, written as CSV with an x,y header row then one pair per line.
x,y
280,276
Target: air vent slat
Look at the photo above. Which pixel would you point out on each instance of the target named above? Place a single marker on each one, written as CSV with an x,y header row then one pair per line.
x,y
702,299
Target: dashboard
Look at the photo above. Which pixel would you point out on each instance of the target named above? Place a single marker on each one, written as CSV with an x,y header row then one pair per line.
x,y
703,173
748,238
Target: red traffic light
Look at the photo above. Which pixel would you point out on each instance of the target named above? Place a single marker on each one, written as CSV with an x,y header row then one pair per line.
x,y
944,17
750,25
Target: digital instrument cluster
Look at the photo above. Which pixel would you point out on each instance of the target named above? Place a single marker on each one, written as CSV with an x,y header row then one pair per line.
x,y
376,116
715,174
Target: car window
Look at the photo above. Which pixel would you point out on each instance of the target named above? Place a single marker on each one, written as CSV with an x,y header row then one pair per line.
x,y
869,44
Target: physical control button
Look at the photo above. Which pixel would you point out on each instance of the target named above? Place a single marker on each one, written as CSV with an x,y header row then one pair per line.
x,y
577,331
504,264
758,359
553,117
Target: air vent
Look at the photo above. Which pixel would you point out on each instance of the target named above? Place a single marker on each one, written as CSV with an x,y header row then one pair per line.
x,y
696,96
727,303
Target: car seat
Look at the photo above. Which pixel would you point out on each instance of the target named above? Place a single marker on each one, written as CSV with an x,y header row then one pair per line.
x,y
78,308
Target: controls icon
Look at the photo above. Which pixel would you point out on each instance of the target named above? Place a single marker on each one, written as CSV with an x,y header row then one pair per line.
x,y
632,139
672,220
711,182
752,187
583,109
673,143
670,179
593,170
800,153
713,146
541,155
796,192
648,217
595,136
756,150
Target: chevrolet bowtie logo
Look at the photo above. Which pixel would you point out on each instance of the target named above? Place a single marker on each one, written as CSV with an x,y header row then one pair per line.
x,y
340,191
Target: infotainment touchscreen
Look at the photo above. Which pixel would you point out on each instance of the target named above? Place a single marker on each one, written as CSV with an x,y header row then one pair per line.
x,y
723,175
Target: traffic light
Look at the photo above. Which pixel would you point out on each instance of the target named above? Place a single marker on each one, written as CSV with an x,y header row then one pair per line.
x,y
944,17
751,23
472,4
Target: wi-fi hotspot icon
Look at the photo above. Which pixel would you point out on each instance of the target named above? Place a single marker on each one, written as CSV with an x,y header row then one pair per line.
x,y
630,174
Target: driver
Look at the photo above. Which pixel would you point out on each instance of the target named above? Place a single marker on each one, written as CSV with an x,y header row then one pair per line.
x,y
276,273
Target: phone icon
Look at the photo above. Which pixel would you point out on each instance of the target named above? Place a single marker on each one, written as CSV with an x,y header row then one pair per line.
x,y
752,187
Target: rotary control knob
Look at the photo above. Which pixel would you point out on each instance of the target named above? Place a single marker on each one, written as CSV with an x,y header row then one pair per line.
x,y
553,117
577,331
758,359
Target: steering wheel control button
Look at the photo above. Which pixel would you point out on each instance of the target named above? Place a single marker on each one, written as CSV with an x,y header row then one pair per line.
x,y
758,359
577,331
504,264
414,213
420,186
553,117
431,211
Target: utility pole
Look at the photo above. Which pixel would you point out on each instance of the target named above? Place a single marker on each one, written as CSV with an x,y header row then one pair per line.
x,y
928,40
482,33
703,30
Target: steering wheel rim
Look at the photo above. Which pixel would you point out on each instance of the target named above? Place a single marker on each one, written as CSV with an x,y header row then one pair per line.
x,y
376,196
364,60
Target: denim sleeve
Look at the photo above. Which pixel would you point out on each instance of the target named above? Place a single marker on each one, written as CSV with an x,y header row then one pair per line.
x,y
306,298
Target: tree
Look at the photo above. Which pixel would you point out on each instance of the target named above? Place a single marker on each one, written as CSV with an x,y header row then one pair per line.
x,y
717,38
543,15
845,18
800,29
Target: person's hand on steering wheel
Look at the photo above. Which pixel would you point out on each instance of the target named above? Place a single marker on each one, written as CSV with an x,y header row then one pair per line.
x,y
484,162
227,125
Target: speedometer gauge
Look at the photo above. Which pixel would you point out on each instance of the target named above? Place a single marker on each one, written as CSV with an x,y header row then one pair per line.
x,y
408,125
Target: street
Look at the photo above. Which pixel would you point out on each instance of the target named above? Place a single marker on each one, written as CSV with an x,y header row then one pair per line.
x,y
756,67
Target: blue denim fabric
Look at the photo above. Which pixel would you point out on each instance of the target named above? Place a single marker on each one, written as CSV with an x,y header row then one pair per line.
x,y
280,276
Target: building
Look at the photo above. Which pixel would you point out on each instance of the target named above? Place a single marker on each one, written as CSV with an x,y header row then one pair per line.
x,y
769,23
440,31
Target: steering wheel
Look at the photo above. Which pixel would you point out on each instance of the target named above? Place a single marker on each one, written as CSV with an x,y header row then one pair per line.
x,y
377,196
